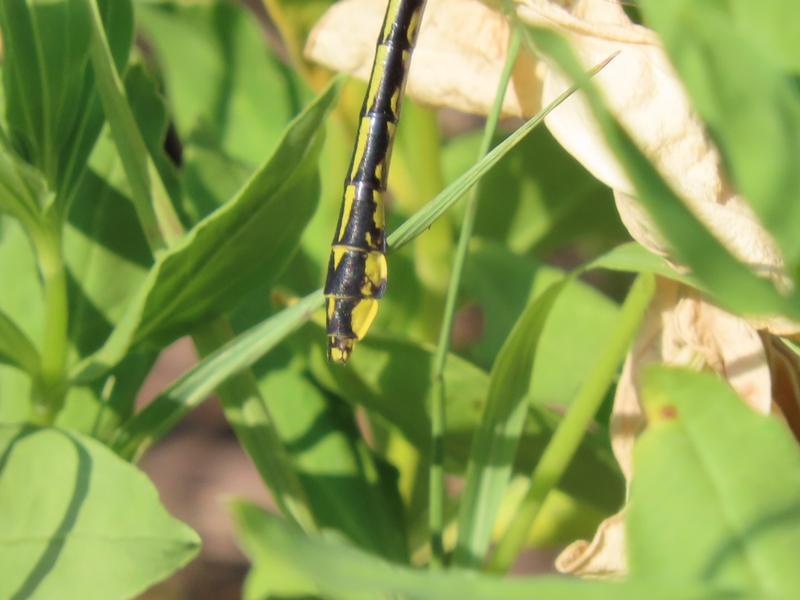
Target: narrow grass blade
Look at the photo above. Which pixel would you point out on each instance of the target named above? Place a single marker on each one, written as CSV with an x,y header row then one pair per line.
x,y
438,408
564,443
423,218
196,384
497,437
150,198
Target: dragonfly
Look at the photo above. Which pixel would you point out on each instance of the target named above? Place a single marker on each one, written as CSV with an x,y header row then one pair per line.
x,y
357,269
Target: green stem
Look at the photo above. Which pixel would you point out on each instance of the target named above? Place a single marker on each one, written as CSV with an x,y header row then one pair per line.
x,y
438,408
580,415
49,389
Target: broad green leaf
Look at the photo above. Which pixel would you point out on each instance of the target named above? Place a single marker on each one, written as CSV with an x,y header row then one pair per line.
x,y
499,284
287,563
16,348
740,67
499,429
218,70
51,109
716,496
15,392
733,284
532,204
336,468
391,378
78,522
240,246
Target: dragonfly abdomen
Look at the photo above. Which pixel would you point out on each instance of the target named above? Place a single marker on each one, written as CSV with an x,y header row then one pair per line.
x,y
357,268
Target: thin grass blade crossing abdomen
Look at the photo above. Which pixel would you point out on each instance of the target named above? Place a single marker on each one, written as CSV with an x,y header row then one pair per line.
x,y
357,268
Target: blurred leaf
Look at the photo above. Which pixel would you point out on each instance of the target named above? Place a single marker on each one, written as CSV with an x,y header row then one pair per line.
x,y
15,391
102,239
16,348
716,496
538,198
289,564
23,190
23,303
218,70
499,284
391,378
100,407
740,67
69,507
336,467
572,430
149,191
498,432
243,244
195,385
434,209
52,111
733,284
635,258
295,20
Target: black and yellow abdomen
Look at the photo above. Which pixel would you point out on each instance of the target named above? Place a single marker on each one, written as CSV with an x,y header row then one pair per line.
x,y
357,268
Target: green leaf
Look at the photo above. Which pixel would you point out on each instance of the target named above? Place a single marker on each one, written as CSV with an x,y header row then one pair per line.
x,y
242,245
78,522
336,468
716,496
391,379
740,67
195,385
16,348
100,407
102,241
733,284
546,204
51,108
434,209
572,429
499,429
23,190
500,284
635,258
218,69
290,564
23,303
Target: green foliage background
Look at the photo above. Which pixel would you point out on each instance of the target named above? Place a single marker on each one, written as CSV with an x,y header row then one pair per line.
x,y
111,248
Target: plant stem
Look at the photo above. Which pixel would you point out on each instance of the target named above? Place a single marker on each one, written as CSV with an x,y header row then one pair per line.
x,y
48,391
580,414
438,408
